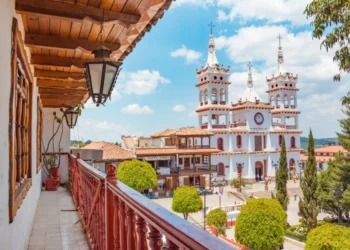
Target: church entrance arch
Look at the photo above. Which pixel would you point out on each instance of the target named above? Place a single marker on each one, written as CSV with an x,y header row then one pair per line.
x,y
259,166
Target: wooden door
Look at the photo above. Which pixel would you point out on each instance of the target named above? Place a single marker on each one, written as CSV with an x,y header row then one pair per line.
x,y
187,162
186,181
202,181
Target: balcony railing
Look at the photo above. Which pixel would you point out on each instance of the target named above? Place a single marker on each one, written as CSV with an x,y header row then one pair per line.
x,y
193,146
118,217
214,102
291,126
277,124
223,102
204,126
218,126
238,124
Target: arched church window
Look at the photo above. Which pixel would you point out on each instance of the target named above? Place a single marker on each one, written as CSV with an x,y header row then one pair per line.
x,y
286,101
214,95
280,140
220,144
206,95
292,100
278,101
221,169
239,141
292,142
291,164
222,95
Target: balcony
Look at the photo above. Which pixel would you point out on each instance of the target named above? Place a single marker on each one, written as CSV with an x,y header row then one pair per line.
x,y
183,145
205,126
118,217
218,126
238,124
277,124
200,169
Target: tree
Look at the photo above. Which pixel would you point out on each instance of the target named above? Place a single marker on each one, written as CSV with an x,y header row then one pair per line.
x,y
282,178
261,224
344,135
308,208
327,237
217,218
139,175
331,20
337,177
186,200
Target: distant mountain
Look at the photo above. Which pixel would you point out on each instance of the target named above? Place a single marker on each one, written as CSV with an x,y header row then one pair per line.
x,y
322,142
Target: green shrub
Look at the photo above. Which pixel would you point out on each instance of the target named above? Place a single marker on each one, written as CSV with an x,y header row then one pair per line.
x,y
328,236
217,218
295,236
261,224
139,175
235,183
186,200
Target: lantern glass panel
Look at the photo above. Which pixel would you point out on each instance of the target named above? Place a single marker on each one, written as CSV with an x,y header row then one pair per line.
x,y
110,73
95,76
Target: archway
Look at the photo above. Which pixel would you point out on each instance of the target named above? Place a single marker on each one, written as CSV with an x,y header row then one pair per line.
x,y
259,171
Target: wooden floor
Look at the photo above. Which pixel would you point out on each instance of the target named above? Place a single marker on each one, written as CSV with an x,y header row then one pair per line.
x,y
56,225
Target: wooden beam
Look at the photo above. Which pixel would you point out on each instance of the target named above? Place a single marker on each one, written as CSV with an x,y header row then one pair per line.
x,y
56,61
60,103
57,42
62,91
73,12
60,84
58,75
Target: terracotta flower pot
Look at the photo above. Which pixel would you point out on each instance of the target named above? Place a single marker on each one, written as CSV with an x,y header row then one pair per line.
x,y
52,184
54,172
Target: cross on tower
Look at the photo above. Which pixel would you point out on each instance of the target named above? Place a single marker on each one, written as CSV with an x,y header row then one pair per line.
x,y
279,39
249,67
211,25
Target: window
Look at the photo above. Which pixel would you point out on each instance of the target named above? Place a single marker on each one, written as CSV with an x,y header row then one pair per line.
x,y
280,140
20,130
292,142
39,134
195,142
258,142
197,160
220,144
239,141
292,164
205,159
221,169
180,161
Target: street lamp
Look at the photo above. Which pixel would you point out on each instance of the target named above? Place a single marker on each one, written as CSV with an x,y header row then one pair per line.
x,y
71,116
240,175
337,193
275,166
300,164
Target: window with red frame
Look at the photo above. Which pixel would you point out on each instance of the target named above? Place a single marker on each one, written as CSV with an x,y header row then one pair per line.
x,y
280,140
292,142
180,161
220,144
239,141
221,169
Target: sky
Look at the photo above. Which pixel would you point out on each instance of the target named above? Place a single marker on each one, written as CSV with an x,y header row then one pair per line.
x,y
156,87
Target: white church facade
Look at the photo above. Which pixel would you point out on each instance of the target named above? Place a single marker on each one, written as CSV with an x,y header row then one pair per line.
x,y
249,131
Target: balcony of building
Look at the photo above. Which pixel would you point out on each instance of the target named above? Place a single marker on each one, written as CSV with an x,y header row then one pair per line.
x,y
100,212
238,124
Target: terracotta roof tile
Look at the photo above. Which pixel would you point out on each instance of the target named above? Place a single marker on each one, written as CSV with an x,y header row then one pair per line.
x,y
173,151
318,158
331,149
194,131
111,152
128,141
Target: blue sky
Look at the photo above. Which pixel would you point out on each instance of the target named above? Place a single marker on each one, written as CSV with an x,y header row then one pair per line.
x,y
156,89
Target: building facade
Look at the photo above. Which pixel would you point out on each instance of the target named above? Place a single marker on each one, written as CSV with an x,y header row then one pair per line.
x,y
249,132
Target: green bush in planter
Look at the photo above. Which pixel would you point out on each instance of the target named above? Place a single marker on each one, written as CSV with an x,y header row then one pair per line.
x,y
328,236
235,182
217,218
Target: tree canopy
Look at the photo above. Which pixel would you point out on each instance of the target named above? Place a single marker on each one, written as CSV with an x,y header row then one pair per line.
x,y
328,236
282,177
331,22
308,208
336,176
261,224
217,218
186,200
139,175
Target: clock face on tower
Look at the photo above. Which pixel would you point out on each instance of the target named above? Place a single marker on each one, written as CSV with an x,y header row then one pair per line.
x,y
259,118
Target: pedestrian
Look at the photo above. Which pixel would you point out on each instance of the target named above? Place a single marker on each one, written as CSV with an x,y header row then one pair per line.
x,y
295,196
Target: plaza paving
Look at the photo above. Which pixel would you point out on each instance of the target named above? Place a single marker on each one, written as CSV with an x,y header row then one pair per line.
x,y
258,190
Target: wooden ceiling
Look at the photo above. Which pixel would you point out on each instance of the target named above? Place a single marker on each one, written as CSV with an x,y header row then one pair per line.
x,y
62,34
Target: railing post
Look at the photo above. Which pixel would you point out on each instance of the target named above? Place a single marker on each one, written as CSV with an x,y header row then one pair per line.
x,y
141,233
111,179
155,236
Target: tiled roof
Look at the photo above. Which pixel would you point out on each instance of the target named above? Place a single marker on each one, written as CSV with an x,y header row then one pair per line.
x,y
128,141
318,158
111,152
331,149
194,131
173,151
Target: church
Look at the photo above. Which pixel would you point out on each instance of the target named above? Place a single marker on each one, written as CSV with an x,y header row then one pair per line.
x,y
248,131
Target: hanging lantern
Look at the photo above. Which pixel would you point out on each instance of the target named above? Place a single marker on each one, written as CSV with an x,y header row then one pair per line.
x,y
71,116
101,75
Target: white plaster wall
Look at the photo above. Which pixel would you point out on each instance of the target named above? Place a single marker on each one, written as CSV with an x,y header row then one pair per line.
x,y
14,236
65,142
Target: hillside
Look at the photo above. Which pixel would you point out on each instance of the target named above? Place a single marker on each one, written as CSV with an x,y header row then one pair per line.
x,y
318,142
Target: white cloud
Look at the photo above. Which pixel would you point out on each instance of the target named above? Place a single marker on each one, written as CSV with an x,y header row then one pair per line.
x,y
179,108
190,56
137,109
141,82
272,11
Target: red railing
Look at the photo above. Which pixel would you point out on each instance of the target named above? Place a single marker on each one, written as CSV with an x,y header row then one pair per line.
x,y
117,217
204,126
223,102
218,126
238,124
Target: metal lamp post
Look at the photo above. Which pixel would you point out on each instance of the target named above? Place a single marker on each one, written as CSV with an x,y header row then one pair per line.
x,y
240,175
205,208
275,166
337,193
300,164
